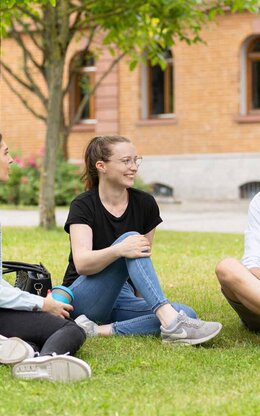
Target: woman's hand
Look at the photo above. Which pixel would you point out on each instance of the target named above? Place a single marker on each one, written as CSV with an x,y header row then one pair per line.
x,y
56,308
134,246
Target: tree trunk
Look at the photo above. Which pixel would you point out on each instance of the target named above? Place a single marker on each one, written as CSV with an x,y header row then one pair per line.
x,y
47,184
55,43
63,144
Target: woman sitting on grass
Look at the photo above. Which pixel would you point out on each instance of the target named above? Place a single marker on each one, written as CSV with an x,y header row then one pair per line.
x,y
111,229
36,333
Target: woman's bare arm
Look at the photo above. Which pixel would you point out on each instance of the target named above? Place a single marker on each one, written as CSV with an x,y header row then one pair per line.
x,y
88,261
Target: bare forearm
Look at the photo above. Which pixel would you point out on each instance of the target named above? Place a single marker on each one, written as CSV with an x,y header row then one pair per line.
x,y
94,261
89,262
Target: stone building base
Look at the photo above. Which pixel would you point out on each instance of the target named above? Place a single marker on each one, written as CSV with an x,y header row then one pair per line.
x,y
202,176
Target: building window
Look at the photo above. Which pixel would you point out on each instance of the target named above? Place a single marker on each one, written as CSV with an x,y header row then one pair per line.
x,y
82,82
253,76
249,190
160,189
160,89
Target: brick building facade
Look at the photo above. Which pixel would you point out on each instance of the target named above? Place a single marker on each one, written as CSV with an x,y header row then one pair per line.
x,y
207,147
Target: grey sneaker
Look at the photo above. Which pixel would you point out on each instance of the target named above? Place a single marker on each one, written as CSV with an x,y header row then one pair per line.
x,y
190,331
89,326
62,368
13,350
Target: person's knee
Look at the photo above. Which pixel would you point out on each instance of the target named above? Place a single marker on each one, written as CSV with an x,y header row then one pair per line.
x,y
75,330
124,236
226,270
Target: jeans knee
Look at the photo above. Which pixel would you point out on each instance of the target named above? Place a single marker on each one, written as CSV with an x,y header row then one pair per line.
x,y
125,235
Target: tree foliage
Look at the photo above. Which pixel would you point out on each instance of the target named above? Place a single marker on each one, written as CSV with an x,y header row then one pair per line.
x,y
7,10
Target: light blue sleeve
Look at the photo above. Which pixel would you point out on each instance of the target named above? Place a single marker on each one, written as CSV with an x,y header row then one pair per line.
x,y
251,256
14,298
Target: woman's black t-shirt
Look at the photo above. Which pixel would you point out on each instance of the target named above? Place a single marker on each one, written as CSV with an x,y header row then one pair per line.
x,y
141,215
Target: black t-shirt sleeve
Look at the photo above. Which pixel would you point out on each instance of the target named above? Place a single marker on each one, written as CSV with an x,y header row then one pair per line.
x,y
151,214
80,213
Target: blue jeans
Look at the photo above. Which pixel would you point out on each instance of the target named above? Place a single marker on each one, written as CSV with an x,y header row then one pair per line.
x,y
106,297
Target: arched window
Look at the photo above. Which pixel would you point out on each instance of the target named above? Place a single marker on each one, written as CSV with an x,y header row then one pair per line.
x,y
83,79
249,190
253,76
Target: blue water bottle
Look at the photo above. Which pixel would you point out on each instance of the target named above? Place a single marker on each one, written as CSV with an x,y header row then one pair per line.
x,y
62,294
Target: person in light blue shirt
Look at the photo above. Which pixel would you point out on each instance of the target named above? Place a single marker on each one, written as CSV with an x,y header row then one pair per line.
x,y
240,281
37,335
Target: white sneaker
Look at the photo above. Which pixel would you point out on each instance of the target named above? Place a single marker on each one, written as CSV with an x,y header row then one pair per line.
x,y
13,350
62,368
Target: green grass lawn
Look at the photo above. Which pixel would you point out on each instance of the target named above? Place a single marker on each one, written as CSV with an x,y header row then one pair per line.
x,y
139,375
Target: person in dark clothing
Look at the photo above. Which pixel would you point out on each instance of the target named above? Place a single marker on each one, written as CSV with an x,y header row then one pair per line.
x,y
36,333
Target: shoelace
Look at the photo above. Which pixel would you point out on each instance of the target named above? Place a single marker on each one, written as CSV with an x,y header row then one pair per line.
x,y
54,354
195,323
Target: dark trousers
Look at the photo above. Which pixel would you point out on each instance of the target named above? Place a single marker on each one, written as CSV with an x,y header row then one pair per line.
x,y
45,332
250,319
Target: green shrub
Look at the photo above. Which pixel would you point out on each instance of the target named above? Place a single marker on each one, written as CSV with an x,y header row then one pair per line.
x,y
67,183
10,192
23,185
29,186
140,184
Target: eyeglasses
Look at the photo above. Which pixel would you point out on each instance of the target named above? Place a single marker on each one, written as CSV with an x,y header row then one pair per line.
x,y
130,161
